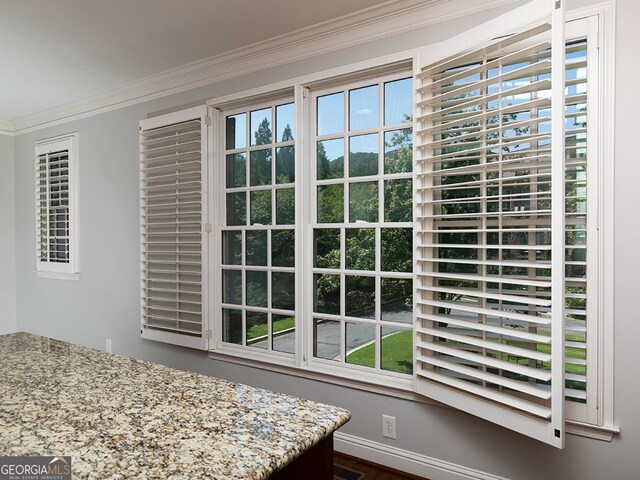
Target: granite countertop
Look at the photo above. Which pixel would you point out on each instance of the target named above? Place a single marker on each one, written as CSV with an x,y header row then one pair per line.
x,y
118,417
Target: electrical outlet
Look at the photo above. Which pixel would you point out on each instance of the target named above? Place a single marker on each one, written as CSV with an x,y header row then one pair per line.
x,y
388,426
107,346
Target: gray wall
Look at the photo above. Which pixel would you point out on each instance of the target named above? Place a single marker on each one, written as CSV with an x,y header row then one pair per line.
x,y
104,302
7,238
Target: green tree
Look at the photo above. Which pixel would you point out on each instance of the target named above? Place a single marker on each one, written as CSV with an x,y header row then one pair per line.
x,y
398,152
285,159
287,136
263,133
328,168
285,206
260,207
363,201
331,203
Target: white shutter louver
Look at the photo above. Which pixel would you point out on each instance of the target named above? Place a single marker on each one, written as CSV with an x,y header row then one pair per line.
x,y
490,227
55,171
173,237
53,208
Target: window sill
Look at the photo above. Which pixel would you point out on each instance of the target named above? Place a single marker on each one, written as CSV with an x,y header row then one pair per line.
x,y
58,275
310,373
604,433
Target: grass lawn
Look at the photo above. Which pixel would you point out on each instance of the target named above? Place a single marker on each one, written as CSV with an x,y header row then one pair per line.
x,y
570,352
397,353
261,330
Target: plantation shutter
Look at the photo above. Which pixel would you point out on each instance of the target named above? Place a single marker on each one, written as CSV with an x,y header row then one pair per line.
x,y
55,201
491,223
172,228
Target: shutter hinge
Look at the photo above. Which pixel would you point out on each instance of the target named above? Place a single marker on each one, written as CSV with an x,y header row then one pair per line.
x,y
207,227
208,334
304,357
207,120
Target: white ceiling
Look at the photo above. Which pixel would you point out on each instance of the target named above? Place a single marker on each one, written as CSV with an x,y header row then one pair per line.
x,y
53,52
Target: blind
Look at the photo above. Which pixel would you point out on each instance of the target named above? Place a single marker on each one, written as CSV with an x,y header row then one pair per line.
x,y
52,207
490,226
172,173
56,177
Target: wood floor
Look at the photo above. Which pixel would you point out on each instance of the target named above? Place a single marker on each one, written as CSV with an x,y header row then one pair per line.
x,y
371,471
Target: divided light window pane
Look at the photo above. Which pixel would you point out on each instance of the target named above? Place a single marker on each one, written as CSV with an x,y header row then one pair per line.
x,y
258,236
362,235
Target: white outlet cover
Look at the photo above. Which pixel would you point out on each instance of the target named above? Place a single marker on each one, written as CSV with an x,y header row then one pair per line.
x,y
388,426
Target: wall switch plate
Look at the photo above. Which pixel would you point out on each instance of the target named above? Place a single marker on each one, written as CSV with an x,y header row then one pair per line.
x,y
388,426
107,346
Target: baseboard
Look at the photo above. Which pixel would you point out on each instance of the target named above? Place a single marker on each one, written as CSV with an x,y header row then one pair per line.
x,y
406,461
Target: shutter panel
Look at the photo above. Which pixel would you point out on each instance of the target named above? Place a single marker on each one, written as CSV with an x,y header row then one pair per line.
x,y
53,207
491,224
173,238
55,222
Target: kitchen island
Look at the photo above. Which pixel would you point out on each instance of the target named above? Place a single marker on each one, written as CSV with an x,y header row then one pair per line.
x,y
119,418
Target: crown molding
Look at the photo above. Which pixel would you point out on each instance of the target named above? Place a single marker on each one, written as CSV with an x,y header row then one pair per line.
x,y
6,127
385,20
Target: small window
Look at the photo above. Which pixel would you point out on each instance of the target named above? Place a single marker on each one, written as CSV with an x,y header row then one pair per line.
x,y
56,172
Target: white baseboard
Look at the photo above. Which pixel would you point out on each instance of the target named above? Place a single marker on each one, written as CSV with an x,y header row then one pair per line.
x,y
406,461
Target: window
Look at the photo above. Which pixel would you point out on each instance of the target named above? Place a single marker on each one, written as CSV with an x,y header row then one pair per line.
x,y
56,207
465,267
258,305
173,216
362,210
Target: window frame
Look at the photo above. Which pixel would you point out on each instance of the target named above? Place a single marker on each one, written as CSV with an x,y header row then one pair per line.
x,y
69,270
219,113
601,424
365,79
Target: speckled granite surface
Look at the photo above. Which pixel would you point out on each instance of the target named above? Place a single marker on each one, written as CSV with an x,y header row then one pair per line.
x,y
119,417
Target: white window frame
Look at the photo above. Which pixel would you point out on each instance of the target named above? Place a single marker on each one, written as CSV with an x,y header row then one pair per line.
x,y
320,365
218,198
600,422
71,269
